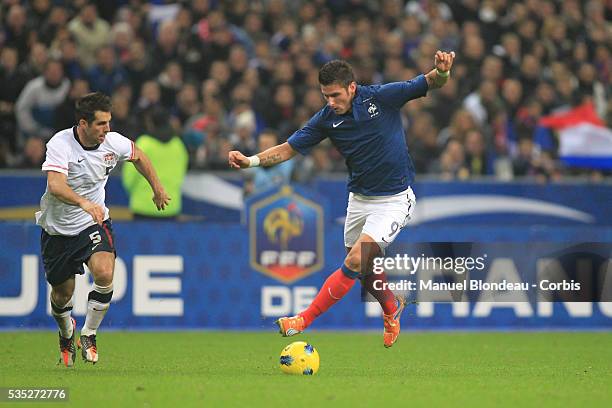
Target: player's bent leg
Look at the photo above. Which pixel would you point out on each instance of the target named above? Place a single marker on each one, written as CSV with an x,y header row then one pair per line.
x,y
384,225
392,305
101,265
336,286
61,308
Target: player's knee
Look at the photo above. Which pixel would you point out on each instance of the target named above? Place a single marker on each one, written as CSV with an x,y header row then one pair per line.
x,y
61,297
103,276
353,261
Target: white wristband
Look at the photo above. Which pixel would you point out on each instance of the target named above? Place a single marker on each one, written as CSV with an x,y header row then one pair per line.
x,y
253,161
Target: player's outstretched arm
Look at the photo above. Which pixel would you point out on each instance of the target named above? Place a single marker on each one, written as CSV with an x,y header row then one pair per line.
x,y
437,77
144,167
58,186
267,158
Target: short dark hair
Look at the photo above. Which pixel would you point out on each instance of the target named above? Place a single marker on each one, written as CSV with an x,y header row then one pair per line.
x,y
336,71
87,105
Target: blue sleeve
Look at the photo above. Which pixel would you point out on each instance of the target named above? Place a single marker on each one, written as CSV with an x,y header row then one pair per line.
x,y
396,94
307,137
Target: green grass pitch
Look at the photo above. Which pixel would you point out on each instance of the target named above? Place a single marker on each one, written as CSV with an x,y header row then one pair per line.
x,y
427,369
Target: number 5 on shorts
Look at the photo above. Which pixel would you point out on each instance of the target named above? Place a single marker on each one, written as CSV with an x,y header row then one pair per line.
x,y
95,237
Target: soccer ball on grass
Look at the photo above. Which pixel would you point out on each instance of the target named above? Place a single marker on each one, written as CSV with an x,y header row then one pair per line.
x,y
299,358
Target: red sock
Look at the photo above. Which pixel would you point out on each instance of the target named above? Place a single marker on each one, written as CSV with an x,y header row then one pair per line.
x,y
334,288
384,296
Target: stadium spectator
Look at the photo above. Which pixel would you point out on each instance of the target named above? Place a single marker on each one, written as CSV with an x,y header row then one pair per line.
x,y
34,65
50,26
64,112
445,103
16,33
38,12
122,36
187,103
138,66
35,108
264,178
10,87
243,123
524,163
166,46
33,154
462,121
483,103
70,59
170,82
150,97
423,142
106,74
122,120
451,164
91,32
477,160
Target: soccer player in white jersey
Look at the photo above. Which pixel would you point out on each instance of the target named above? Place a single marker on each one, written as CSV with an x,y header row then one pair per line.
x,y
76,226
365,125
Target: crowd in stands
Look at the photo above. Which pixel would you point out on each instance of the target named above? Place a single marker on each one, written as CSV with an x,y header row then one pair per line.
x,y
228,71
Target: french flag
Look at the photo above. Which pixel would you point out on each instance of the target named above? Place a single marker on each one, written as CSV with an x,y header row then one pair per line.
x,y
584,139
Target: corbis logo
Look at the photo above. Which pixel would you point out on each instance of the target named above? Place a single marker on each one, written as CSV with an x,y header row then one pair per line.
x,y
286,236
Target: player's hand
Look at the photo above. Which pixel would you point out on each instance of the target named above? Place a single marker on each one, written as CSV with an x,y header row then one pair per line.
x,y
96,211
238,160
444,60
161,199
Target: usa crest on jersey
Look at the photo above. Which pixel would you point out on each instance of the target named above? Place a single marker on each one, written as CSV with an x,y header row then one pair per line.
x,y
110,159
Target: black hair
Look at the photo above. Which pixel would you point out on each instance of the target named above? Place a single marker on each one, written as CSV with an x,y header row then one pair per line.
x,y
336,71
87,106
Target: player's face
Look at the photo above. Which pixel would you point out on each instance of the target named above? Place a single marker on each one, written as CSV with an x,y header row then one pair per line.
x,y
339,98
95,132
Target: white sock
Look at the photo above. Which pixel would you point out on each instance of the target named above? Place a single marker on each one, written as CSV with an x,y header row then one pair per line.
x,y
97,306
61,314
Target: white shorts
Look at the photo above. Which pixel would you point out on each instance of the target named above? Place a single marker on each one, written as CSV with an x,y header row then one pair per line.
x,y
379,217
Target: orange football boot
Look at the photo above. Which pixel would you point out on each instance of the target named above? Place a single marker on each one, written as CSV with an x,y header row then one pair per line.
x,y
290,326
392,323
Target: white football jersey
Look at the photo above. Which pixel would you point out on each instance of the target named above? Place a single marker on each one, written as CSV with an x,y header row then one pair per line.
x,y
87,170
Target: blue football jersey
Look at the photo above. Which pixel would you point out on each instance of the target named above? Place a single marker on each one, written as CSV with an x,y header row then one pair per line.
x,y
370,137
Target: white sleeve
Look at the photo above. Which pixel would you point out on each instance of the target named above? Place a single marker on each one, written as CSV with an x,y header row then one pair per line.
x,y
57,157
121,145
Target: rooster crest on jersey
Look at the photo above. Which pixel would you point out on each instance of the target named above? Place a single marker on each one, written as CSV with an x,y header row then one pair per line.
x,y
286,235
373,110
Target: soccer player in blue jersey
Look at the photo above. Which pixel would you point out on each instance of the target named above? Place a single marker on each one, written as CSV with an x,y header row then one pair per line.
x,y
364,124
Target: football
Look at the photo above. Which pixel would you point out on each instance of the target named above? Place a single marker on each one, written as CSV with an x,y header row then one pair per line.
x,y
299,358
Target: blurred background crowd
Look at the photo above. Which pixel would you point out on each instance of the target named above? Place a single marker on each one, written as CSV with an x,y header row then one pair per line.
x,y
224,75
